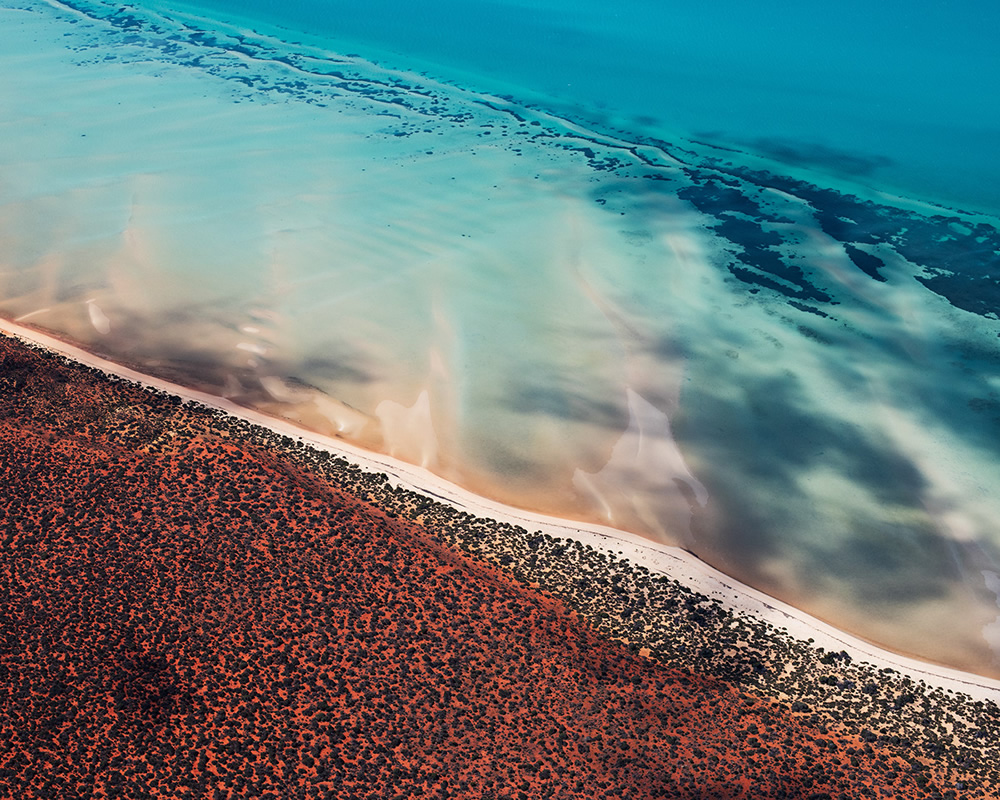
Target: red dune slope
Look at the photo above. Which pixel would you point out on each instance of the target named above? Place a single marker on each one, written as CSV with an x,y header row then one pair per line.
x,y
184,617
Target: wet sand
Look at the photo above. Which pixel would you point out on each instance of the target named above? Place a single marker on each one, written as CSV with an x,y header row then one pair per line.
x,y
898,727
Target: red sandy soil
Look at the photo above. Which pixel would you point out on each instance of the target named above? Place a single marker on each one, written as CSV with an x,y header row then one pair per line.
x,y
203,620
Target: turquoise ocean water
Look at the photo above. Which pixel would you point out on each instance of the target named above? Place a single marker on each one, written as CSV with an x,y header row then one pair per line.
x,y
727,276
903,93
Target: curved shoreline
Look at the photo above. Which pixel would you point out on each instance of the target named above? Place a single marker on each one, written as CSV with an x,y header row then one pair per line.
x,y
665,560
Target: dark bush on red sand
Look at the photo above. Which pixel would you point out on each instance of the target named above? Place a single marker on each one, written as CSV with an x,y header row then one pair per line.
x,y
182,616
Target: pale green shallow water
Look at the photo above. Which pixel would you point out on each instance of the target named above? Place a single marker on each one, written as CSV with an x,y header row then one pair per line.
x,y
684,341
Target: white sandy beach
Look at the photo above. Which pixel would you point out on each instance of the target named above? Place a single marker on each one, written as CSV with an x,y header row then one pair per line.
x,y
670,561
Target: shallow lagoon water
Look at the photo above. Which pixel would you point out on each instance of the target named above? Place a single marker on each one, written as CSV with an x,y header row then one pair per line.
x,y
779,364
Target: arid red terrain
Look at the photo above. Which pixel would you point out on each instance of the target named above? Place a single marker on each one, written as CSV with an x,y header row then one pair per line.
x,y
184,617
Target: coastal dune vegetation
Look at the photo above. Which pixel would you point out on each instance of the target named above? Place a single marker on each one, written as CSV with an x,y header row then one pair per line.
x,y
197,606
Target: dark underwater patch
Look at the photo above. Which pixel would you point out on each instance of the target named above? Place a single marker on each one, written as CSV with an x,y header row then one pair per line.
x,y
866,262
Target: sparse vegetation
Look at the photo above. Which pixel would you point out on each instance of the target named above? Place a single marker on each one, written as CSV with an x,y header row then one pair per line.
x,y
194,607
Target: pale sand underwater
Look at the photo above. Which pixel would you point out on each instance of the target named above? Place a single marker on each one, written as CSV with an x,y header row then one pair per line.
x,y
660,338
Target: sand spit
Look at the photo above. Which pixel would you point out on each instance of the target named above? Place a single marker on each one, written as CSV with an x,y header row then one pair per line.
x,y
923,737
